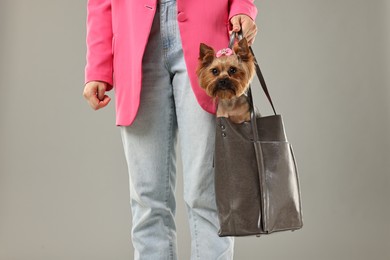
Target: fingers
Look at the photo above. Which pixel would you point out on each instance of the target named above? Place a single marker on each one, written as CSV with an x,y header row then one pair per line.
x,y
103,103
96,103
94,94
100,91
249,29
235,23
246,24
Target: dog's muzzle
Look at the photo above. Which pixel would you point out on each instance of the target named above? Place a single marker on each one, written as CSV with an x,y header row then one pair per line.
x,y
224,84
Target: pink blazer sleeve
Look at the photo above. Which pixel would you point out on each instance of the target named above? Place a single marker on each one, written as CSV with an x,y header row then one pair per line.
x,y
99,42
242,7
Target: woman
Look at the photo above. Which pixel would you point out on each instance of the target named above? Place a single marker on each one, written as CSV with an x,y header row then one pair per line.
x,y
147,51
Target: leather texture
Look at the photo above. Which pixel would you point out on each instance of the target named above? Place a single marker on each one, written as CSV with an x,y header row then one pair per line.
x,y
256,176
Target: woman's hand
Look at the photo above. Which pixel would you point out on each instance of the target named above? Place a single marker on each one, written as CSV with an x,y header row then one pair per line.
x,y
246,24
94,93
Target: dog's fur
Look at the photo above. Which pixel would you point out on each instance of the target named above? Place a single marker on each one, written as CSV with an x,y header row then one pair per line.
x,y
227,78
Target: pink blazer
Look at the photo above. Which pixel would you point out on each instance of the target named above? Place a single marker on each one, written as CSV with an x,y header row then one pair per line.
x,y
117,33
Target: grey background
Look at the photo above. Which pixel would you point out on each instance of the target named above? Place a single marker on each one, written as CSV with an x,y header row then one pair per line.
x,y
63,180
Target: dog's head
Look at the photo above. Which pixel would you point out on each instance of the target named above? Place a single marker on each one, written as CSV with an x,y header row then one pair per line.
x,y
227,73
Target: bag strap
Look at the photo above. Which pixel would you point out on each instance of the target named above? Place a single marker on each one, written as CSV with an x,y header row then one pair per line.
x,y
263,221
263,216
258,71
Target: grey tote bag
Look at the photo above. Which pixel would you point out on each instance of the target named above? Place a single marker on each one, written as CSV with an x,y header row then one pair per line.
x,y
256,177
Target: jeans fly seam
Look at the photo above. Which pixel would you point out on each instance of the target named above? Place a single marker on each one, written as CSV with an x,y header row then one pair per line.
x,y
164,36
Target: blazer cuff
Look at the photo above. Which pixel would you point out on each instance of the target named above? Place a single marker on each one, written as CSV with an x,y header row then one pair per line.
x,y
246,7
107,79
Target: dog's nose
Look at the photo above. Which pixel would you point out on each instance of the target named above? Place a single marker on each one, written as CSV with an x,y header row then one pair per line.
x,y
222,82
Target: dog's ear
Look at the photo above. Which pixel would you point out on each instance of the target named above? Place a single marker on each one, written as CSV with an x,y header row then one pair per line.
x,y
206,54
242,50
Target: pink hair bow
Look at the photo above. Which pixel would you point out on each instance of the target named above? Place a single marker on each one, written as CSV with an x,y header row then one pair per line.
x,y
226,51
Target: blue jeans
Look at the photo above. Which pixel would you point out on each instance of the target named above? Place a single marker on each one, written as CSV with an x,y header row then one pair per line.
x,y
169,109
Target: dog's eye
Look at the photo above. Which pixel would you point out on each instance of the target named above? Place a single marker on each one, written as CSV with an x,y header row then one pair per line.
x,y
232,70
214,71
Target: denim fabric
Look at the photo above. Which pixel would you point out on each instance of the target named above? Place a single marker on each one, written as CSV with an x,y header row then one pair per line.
x,y
168,110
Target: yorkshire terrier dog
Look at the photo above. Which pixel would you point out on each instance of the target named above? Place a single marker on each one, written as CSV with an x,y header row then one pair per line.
x,y
225,76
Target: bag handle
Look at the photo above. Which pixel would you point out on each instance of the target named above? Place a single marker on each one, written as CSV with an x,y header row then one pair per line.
x,y
258,71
